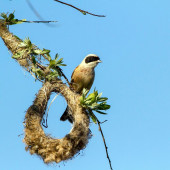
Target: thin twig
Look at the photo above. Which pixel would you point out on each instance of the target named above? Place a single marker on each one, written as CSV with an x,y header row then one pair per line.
x,y
45,57
100,129
61,71
34,10
37,14
20,134
103,121
106,148
45,121
40,66
37,21
82,11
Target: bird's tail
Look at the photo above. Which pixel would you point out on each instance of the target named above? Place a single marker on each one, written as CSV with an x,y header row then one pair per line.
x,y
66,116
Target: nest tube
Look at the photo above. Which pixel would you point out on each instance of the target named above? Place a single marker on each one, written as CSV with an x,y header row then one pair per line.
x,y
51,149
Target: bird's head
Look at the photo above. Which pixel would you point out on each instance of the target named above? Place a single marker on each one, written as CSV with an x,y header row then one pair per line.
x,y
91,60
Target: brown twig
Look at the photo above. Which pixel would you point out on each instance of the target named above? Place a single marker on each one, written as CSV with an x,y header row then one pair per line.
x,y
61,71
106,148
45,57
34,10
37,21
82,11
103,121
40,66
37,14
100,129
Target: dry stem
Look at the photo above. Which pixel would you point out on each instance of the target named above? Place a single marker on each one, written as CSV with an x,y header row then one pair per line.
x,y
83,11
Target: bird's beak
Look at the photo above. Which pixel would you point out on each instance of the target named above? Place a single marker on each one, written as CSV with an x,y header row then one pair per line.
x,y
99,61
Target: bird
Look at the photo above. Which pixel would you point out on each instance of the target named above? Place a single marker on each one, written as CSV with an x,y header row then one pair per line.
x,y
82,77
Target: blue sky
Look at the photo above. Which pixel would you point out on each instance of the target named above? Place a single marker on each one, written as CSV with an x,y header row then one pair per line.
x,y
133,42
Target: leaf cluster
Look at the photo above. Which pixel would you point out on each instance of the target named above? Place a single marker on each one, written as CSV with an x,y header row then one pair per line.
x,y
26,47
10,20
94,102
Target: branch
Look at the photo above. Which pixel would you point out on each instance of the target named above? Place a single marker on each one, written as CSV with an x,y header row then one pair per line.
x,y
13,44
37,14
106,148
82,11
34,10
37,21
64,76
96,120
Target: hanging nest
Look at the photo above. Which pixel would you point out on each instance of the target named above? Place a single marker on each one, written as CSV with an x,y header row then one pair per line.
x,y
50,149
37,142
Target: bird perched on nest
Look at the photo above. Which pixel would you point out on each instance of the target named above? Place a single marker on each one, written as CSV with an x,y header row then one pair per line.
x,y
82,77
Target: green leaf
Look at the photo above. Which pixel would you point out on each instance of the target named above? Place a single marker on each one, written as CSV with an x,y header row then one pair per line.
x,y
11,16
22,44
52,63
56,56
16,21
48,56
37,51
99,95
3,15
45,51
61,65
18,54
93,117
59,61
102,99
103,107
81,100
84,13
91,97
28,42
40,73
33,60
100,112
16,37
84,92
52,75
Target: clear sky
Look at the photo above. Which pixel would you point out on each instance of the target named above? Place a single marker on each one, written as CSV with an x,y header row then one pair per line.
x,y
133,42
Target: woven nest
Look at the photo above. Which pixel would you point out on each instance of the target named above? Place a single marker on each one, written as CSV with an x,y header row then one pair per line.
x,y
37,142
50,149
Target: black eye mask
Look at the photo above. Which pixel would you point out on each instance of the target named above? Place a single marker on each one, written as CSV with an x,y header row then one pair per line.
x,y
91,59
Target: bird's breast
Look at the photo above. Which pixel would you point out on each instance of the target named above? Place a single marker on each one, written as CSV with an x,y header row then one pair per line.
x,y
82,78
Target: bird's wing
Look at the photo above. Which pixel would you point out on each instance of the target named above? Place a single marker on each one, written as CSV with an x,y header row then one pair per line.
x,y
72,79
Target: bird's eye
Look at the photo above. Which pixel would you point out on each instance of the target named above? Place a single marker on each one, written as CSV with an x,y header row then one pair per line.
x,y
91,59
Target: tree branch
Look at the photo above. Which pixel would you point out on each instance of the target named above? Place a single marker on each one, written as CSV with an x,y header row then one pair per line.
x,y
104,141
82,11
37,21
